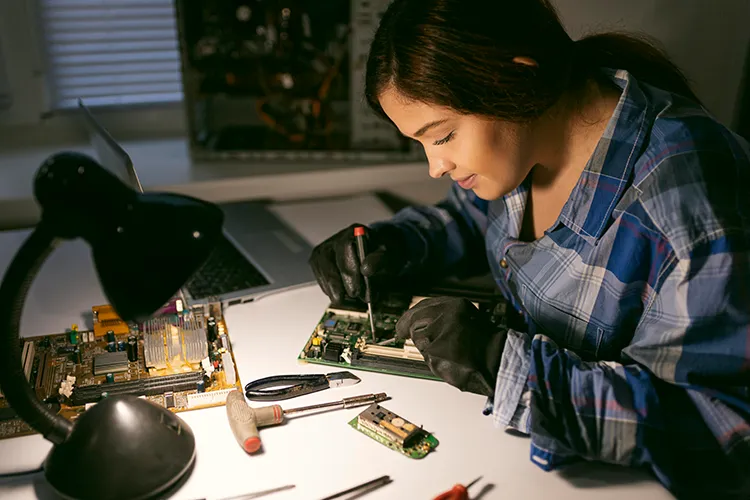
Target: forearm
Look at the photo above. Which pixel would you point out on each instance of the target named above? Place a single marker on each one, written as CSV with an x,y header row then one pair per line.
x,y
446,238
621,415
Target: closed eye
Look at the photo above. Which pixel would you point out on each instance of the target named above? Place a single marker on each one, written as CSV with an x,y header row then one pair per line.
x,y
444,139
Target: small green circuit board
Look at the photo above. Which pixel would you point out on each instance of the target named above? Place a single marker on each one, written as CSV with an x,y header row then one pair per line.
x,y
396,433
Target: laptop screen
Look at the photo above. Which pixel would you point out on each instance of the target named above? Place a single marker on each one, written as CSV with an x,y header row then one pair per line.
x,y
110,154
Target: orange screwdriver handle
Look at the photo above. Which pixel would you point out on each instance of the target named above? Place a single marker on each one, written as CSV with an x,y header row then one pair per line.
x,y
458,492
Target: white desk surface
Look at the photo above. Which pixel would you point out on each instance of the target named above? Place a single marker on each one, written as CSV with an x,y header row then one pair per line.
x,y
321,454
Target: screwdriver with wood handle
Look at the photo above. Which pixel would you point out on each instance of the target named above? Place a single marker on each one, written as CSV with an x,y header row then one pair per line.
x,y
245,420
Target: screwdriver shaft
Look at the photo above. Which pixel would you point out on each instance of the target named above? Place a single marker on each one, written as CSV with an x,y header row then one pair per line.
x,y
372,320
344,403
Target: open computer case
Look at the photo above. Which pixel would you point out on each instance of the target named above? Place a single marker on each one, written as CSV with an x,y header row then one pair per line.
x,y
283,79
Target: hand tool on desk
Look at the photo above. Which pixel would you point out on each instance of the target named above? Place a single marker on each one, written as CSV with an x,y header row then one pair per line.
x,y
458,492
359,234
245,420
280,387
256,494
363,488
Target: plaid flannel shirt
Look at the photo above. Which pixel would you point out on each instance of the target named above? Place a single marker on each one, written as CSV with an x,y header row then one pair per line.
x,y
637,299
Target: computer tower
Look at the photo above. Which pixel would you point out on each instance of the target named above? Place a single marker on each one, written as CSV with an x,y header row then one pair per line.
x,y
283,80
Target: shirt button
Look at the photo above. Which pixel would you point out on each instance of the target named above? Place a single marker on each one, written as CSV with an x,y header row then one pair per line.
x,y
504,264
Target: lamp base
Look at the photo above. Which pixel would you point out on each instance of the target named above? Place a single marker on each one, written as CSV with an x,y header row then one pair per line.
x,y
125,447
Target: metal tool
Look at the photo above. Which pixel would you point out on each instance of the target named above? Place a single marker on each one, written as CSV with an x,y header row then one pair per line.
x,y
258,494
280,387
364,487
458,492
245,420
359,235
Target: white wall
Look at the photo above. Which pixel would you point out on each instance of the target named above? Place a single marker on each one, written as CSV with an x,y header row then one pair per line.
x,y
707,39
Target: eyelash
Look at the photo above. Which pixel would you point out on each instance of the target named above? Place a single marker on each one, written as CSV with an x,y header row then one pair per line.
x,y
444,139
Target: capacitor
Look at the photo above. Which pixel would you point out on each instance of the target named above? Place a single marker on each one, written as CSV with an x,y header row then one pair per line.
x,y
212,329
200,386
73,337
111,347
121,345
132,349
110,336
110,378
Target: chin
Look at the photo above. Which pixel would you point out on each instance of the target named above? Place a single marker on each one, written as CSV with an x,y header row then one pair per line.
x,y
489,193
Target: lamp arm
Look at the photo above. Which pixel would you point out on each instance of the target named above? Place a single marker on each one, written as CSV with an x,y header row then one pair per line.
x,y
13,290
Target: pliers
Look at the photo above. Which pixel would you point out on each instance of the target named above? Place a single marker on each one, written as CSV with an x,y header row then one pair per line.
x,y
280,387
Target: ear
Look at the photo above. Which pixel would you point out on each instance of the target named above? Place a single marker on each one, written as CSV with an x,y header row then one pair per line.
x,y
527,61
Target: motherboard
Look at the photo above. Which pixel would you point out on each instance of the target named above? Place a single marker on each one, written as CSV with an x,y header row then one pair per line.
x,y
344,338
180,359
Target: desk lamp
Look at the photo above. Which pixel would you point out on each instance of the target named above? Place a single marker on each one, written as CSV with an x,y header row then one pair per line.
x,y
144,246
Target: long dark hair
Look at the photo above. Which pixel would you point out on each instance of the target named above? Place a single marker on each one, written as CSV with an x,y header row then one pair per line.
x,y
459,54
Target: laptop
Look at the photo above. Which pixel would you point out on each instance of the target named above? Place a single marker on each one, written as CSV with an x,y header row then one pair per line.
x,y
258,254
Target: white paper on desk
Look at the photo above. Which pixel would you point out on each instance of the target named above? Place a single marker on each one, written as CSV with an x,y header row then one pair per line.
x,y
317,220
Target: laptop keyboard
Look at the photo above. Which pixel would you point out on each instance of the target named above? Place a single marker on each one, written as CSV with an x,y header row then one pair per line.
x,y
225,271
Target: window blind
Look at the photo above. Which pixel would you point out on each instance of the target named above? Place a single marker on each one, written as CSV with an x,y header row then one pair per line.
x,y
111,52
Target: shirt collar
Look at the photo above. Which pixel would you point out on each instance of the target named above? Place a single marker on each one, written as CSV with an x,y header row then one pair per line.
x,y
609,169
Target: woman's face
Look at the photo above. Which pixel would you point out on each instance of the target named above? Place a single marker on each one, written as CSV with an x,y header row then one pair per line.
x,y
490,157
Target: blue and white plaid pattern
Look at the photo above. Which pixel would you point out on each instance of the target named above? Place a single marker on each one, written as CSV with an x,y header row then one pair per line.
x,y
637,299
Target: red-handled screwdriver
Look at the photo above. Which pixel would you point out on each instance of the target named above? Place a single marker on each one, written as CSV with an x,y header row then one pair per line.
x,y
458,492
359,235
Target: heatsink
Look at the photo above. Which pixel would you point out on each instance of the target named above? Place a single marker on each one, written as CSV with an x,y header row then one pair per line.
x,y
174,345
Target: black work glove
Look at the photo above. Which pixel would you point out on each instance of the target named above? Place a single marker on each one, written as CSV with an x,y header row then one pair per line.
x,y
458,342
336,266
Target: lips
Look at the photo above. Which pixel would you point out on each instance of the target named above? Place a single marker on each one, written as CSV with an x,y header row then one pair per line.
x,y
467,182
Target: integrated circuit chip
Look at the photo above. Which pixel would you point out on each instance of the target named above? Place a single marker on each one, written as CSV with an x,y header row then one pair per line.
x,y
110,362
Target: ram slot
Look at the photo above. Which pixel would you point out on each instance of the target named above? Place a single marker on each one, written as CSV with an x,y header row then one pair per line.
x,y
351,314
393,352
396,364
28,358
143,387
41,376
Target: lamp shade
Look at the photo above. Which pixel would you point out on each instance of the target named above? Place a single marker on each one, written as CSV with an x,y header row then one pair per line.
x,y
144,261
145,246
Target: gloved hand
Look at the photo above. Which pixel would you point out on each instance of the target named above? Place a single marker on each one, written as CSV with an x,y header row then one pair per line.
x,y
336,266
458,342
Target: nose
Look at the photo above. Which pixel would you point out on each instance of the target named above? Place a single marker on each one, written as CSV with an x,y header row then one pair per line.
x,y
439,167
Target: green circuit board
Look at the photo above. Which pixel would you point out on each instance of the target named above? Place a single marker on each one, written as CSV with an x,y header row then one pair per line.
x,y
395,432
343,338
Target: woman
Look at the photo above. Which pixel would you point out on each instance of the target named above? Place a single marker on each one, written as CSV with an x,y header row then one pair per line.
x,y
614,214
